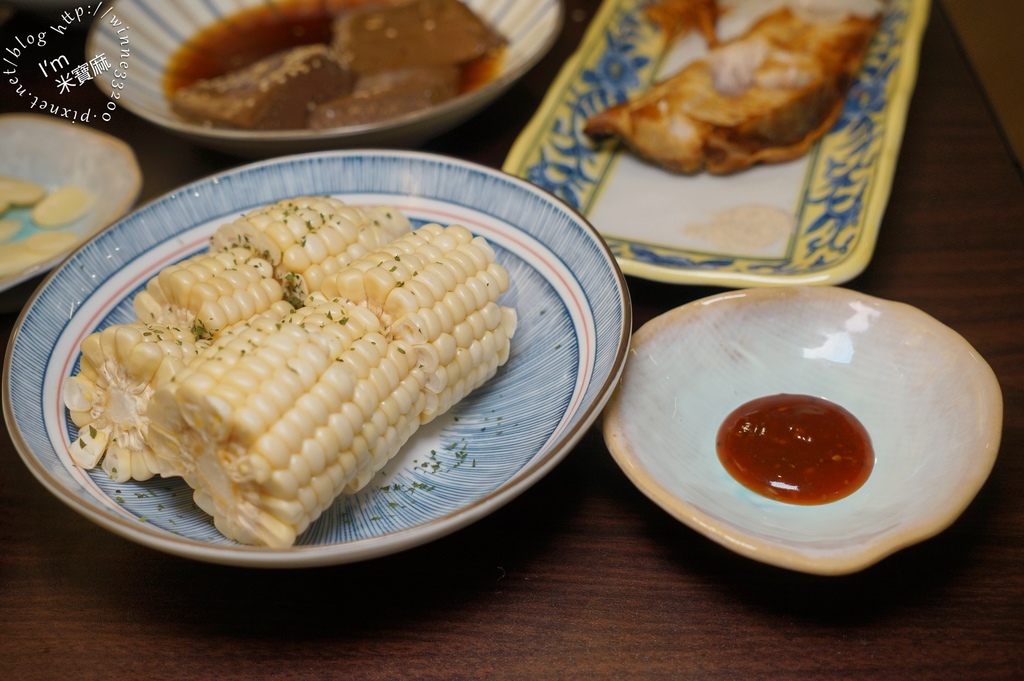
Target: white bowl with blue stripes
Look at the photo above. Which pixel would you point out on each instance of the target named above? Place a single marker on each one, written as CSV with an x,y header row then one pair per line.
x,y
567,354
152,31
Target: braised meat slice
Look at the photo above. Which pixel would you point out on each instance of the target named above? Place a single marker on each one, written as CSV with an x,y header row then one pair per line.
x,y
388,94
275,93
420,33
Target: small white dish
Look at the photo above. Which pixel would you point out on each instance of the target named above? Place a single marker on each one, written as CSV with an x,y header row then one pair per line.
x,y
569,349
161,28
931,405
53,153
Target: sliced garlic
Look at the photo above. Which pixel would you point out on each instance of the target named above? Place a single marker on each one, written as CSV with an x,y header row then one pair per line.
x,y
9,228
12,260
48,244
20,192
62,206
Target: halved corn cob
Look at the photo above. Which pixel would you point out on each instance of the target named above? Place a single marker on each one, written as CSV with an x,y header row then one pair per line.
x,y
121,366
437,285
282,412
200,296
209,291
108,399
308,238
281,251
271,424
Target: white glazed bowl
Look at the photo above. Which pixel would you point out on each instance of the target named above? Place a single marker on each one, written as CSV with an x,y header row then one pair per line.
x,y
52,152
157,30
930,403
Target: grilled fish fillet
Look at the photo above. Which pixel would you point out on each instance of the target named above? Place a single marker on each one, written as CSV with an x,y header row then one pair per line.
x,y
678,17
764,97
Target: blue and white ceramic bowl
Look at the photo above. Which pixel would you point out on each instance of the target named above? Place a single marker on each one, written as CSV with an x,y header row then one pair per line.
x,y
930,403
155,30
569,349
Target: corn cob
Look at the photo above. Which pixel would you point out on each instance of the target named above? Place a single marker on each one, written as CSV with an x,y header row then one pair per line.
x,y
439,286
282,412
276,252
308,238
121,366
202,295
120,369
271,424
209,291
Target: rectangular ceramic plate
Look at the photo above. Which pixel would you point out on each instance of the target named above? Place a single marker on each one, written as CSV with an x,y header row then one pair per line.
x,y
810,221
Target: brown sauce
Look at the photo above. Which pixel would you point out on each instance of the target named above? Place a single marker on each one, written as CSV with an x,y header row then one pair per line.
x,y
250,35
796,448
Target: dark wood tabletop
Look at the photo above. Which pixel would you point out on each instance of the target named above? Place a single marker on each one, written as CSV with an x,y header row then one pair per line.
x,y
582,576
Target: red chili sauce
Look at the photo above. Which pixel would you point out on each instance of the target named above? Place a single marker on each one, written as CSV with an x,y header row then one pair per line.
x,y
796,448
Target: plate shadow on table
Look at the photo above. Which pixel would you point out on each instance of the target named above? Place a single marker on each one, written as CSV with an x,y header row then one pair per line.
x,y
358,601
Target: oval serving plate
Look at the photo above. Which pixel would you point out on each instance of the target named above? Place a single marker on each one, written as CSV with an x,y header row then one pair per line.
x,y
814,220
569,349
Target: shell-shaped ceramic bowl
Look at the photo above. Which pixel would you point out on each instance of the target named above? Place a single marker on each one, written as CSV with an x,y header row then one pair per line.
x,y
931,405
157,30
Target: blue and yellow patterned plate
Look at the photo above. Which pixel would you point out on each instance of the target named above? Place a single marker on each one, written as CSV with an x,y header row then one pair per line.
x,y
155,30
811,221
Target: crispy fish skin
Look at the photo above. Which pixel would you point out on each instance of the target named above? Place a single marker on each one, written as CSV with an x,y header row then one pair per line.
x,y
678,17
786,98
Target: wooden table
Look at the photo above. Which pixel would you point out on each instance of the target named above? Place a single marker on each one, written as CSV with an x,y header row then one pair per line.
x,y
582,576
